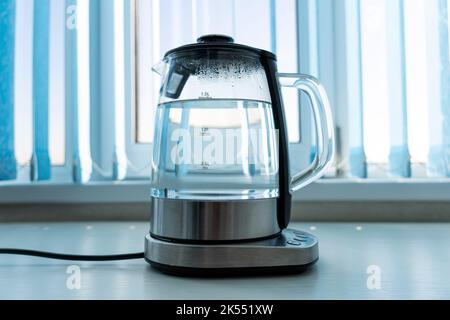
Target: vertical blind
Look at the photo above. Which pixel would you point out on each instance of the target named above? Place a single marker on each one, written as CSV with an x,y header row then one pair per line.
x,y
384,64
405,74
67,79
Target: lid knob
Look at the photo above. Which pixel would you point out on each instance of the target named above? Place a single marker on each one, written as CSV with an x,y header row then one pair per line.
x,y
219,38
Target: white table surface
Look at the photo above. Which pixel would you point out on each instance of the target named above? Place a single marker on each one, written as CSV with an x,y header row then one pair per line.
x,y
414,260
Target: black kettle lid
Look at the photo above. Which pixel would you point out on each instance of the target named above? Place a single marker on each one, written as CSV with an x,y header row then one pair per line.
x,y
211,43
215,38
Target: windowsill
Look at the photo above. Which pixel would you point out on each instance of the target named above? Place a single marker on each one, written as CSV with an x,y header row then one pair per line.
x,y
335,190
327,200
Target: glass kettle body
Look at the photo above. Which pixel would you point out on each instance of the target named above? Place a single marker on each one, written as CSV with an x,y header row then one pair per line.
x,y
220,168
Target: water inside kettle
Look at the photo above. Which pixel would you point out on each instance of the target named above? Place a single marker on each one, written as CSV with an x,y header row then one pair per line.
x,y
215,148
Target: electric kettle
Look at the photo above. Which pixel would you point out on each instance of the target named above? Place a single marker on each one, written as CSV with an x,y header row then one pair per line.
x,y
221,186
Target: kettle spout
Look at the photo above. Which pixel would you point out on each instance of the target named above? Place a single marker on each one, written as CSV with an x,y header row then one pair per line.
x,y
160,68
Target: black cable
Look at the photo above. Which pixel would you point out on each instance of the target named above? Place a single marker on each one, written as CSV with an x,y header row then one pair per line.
x,y
71,257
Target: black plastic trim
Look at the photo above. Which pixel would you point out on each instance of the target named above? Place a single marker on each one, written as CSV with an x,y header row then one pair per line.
x,y
229,272
177,69
285,198
215,38
212,242
211,44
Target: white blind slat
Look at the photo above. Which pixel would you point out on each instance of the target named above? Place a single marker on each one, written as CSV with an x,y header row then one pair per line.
x,y
40,166
285,16
23,78
357,159
57,110
436,31
375,75
399,159
77,87
417,83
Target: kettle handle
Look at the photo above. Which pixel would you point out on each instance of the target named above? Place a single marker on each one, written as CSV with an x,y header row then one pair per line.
x,y
323,120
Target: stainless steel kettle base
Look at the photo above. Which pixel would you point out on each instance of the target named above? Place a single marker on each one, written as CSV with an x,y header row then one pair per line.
x,y
291,252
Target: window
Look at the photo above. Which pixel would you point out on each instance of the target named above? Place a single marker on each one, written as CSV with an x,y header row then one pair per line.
x,y
173,23
404,48
88,116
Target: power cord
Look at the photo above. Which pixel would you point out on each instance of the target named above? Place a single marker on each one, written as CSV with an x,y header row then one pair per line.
x,y
71,257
